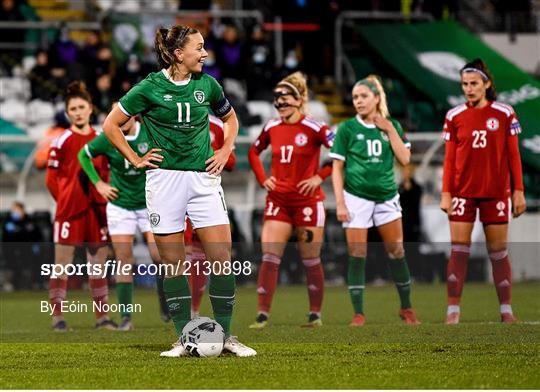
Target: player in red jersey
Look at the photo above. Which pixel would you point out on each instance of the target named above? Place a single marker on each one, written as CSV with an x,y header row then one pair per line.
x,y
295,198
198,274
80,214
482,171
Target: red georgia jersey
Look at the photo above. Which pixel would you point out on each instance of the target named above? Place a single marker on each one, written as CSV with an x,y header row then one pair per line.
x,y
296,150
483,156
74,191
217,138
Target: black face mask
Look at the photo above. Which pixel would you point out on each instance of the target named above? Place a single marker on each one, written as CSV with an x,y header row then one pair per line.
x,y
280,105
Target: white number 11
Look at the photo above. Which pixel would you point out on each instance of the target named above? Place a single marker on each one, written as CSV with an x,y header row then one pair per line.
x,y
188,111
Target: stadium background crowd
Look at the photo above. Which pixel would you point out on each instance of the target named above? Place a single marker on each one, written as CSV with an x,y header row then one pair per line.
x,y
248,56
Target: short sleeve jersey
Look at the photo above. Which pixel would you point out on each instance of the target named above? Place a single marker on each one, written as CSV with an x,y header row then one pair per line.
x,y
129,181
296,150
175,116
481,166
75,192
369,159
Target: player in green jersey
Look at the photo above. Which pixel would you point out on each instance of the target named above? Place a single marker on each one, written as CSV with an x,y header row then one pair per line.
x,y
183,175
126,210
366,192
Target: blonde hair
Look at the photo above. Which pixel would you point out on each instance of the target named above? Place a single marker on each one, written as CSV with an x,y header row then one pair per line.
x,y
373,82
297,83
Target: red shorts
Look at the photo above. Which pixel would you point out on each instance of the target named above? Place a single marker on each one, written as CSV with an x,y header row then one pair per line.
x,y
89,227
310,214
491,210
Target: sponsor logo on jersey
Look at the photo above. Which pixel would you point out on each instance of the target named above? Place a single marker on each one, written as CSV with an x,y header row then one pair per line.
x,y
142,147
199,96
167,97
301,139
492,124
500,207
154,219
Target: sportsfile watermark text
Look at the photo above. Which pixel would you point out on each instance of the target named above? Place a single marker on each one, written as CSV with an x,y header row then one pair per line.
x,y
118,267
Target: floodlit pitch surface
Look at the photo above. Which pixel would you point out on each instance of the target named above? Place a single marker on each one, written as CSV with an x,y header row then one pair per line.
x,y
478,353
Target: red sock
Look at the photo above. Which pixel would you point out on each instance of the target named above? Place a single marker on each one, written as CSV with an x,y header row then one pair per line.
x,y
197,280
456,272
267,281
57,294
502,275
100,295
315,283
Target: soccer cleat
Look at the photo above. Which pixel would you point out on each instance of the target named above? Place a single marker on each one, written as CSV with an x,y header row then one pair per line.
x,y
452,318
240,350
260,321
314,321
107,324
126,324
60,326
358,320
508,318
178,350
409,316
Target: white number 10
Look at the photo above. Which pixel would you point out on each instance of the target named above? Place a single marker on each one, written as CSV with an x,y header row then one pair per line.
x,y
188,111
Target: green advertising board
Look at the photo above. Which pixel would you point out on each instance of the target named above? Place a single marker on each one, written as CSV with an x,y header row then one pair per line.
x,y
430,55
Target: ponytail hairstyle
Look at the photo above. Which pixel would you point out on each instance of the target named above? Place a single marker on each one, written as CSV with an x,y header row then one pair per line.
x,y
167,41
77,89
478,65
296,83
373,82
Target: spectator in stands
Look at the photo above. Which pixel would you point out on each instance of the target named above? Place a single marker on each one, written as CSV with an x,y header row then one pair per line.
x,y
59,80
64,50
41,79
103,96
210,65
10,12
260,66
20,259
230,54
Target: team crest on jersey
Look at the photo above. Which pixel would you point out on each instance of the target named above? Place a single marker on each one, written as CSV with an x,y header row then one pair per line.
x,y
492,124
154,219
199,96
360,136
384,136
167,97
301,139
142,147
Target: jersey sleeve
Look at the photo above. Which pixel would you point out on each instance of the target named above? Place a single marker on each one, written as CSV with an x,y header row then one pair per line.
x,y
449,130
514,157
260,144
341,141
401,133
219,104
327,136
53,164
449,135
100,145
136,100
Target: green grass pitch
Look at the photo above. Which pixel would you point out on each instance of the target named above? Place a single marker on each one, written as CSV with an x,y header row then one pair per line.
x,y
478,353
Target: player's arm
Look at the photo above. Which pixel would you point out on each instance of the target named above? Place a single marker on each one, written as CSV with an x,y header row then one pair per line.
x,y
448,167
338,154
402,152
262,142
218,143
111,128
217,162
85,156
53,164
514,163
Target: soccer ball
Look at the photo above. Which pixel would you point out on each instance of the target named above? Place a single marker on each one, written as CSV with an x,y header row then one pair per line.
x,y
203,337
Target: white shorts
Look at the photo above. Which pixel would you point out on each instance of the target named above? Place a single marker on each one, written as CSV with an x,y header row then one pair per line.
x,y
366,213
173,194
125,222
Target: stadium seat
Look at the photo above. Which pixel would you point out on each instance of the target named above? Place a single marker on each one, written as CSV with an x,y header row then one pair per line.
x,y
40,112
397,97
263,109
14,110
14,88
423,117
318,111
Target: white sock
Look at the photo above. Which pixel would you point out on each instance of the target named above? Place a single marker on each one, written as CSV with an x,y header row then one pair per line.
x,y
452,309
506,309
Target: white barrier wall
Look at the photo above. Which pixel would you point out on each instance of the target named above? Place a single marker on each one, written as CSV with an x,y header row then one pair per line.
x,y
524,51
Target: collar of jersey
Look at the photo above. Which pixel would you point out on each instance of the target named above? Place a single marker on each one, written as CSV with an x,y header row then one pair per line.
x,y
137,129
359,119
178,83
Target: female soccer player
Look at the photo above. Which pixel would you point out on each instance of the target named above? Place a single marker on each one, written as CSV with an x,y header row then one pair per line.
x,y
79,219
198,273
482,170
184,176
294,194
366,192
126,208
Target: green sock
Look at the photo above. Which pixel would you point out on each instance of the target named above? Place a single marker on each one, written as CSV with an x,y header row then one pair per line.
x,y
402,279
221,291
179,301
161,295
124,292
356,279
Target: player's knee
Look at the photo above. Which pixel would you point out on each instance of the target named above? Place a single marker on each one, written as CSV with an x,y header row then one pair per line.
x,y
398,252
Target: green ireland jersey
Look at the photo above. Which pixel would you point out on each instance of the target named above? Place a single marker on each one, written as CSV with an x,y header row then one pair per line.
x,y
175,116
369,159
127,179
